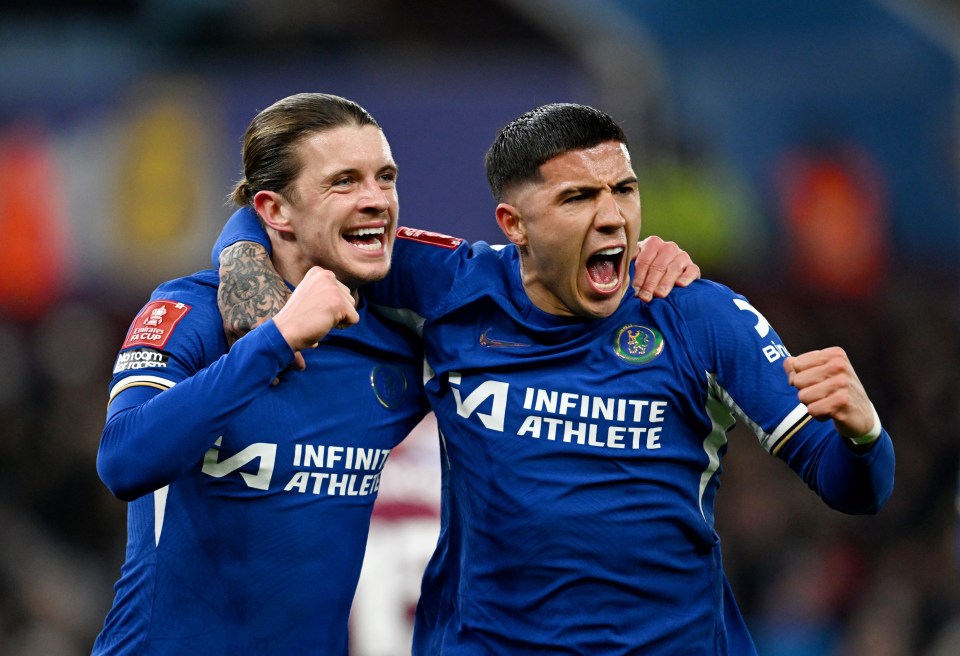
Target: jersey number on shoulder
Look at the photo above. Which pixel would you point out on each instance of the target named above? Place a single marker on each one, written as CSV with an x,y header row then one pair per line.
x,y
763,326
772,351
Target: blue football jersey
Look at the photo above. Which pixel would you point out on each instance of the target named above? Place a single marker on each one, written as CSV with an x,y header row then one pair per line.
x,y
582,458
250,502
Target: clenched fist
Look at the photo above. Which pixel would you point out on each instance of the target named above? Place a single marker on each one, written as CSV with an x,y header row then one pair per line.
x,y
319,303
830,389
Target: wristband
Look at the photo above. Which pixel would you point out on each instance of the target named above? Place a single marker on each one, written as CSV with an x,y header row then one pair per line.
x,y
871,436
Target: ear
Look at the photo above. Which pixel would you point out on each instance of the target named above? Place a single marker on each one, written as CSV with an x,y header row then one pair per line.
x,y
271,207
510,222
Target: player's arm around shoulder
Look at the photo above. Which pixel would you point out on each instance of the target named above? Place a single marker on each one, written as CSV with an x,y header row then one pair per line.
x,y
425,266
251,291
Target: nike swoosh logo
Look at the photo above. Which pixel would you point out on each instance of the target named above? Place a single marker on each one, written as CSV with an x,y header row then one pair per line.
x,y
496,343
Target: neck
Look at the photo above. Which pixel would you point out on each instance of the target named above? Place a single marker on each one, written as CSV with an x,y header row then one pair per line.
x,y
288,260
535,292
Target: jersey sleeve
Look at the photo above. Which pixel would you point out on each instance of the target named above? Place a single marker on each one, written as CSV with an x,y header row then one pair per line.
x,y
244,225
423,270
743,357
174,391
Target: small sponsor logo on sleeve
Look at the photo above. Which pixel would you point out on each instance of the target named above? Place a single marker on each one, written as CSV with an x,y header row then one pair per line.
x,y
155,323
140,358
427,237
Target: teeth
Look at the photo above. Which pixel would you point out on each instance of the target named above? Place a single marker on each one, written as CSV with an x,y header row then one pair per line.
x,y
361,232
610,286
611,251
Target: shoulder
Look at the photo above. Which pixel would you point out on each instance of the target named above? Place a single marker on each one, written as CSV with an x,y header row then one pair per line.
x,y
197,291
174,335
430,271
182,305
703,297
422,255
198,287
706,307
438,246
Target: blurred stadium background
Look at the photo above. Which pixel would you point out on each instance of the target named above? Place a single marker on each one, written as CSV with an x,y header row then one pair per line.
x,y
804,153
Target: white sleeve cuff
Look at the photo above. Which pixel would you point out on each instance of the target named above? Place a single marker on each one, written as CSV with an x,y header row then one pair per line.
x,y
871,436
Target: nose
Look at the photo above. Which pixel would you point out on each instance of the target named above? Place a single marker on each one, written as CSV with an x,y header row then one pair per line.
x,y
609,216
373,198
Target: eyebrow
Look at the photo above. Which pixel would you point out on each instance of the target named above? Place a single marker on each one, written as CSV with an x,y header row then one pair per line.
x,y
352,170
573,190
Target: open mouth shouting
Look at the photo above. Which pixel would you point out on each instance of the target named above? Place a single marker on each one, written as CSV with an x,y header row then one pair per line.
x,y
366,239
605,270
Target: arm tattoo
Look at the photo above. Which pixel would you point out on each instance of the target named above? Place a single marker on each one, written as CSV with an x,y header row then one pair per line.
x,y
250,290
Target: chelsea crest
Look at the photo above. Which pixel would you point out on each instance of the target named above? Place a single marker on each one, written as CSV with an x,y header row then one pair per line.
x,y
637,344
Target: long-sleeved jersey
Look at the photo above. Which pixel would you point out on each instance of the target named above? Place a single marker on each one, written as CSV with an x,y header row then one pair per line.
x,y
249,502
581,458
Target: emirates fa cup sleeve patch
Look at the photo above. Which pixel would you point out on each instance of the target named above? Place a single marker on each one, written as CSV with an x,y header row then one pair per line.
x,y
155,323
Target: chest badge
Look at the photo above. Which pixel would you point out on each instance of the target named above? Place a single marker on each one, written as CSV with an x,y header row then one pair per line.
x,y
389,385
637,344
